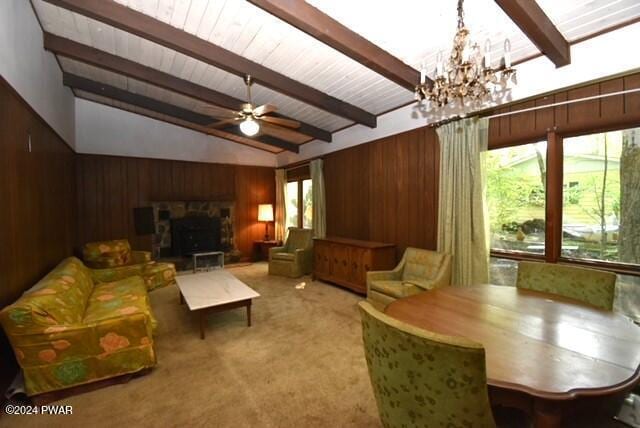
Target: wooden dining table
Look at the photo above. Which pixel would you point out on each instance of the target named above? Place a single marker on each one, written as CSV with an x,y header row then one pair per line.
x,y
555,358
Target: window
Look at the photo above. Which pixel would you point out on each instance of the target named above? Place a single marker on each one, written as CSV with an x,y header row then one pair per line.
x,y
291,196
598,207
601,214
307,211
299,195
516,192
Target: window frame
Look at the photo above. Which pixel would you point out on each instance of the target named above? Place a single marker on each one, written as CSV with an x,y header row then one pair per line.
x,y
554,204
299,180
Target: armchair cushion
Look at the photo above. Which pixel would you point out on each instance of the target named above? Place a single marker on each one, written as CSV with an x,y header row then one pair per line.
x,y
284,256
422,264
396,289
419,270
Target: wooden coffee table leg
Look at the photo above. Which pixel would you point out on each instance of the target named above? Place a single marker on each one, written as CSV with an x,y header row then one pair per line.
x,y
181,298
249,313
203,319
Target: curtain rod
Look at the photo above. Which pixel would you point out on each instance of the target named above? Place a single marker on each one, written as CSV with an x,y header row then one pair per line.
x,y
524,110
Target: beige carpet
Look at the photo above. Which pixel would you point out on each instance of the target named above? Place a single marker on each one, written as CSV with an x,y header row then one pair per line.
x,y
300,364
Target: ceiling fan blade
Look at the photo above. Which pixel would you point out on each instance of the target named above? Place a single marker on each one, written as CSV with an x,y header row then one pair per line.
x,y
220,112
281,121
223,123
264,109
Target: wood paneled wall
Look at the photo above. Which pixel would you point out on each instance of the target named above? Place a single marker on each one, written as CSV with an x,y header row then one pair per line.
x,y
386,190
37,195
109,187
37,204
583,117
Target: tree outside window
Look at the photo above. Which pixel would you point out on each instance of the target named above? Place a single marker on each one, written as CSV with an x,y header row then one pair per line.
x,y
299,197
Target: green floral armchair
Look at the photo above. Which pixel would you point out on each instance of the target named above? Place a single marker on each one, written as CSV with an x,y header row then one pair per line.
x,y
69,330
419,270
594,287
114,260
421,378
295,257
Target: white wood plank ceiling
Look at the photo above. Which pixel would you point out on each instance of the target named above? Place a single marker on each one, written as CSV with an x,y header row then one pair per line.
x,y
412,30
418,30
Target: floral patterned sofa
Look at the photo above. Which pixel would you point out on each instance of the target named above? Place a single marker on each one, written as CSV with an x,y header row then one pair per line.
x,y
114,260
70,330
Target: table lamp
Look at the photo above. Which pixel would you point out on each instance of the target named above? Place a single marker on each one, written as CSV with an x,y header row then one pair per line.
x,y
265,213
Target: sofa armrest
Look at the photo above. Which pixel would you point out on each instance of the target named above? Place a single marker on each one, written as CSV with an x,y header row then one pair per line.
x,y
274,250
304,258
140,257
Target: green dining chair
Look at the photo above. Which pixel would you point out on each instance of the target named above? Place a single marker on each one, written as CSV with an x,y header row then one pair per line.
x,y
594,287
421,378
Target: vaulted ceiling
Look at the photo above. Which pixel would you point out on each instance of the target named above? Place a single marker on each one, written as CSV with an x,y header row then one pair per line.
x,y
176,60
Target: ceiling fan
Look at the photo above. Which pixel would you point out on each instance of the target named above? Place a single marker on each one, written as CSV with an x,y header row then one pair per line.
x,y
249,117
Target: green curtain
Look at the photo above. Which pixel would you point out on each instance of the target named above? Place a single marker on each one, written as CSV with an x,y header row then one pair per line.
x,y
281,206
319,219
462,217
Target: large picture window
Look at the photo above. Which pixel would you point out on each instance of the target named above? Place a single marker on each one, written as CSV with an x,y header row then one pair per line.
x,y
299,203
516,193
601,197
572,199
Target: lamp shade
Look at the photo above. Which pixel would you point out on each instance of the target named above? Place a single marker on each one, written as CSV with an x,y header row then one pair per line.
x,y
265,212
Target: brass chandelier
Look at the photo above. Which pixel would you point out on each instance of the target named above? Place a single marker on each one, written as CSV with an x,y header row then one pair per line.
x,y
467,78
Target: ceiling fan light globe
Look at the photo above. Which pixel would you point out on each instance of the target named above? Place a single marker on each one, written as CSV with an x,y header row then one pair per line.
x,y
249,127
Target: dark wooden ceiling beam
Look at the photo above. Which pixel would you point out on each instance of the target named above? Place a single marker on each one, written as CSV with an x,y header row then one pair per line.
x,y
154,105
92,56
134,22
319,25
537,26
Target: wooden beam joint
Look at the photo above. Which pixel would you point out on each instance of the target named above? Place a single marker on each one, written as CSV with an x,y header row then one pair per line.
x,y
537,26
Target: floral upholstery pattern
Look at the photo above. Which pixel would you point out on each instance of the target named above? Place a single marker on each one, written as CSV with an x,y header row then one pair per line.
x,y
421,378
114,260
419,270
154,274
595,287
66,331
295,257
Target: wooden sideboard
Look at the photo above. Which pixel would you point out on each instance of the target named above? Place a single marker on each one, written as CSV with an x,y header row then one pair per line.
x,y
346,261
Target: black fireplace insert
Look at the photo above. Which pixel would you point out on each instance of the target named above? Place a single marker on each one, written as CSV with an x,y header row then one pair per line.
x,y
194,234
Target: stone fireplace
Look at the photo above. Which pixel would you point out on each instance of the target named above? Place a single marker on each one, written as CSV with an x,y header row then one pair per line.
x,y
184,227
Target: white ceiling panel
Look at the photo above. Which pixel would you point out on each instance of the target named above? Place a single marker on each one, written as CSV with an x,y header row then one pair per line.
x,y
418,30
136,49
413,30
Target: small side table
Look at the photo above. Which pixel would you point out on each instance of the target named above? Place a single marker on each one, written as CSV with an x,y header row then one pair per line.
x,y
219,260
261,249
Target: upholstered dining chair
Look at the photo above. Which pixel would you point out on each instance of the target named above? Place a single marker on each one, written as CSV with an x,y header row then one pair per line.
x,y
421,378
594,287
295,257
419,270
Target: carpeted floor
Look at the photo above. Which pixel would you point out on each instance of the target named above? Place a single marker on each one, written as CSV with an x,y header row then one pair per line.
x,y
300,364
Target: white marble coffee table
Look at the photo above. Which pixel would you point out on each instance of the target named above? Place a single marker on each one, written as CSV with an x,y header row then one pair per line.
x,y
214,291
